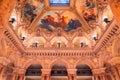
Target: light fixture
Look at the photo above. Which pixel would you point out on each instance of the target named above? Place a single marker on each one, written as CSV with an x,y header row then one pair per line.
x,y
59,44
81,44
23,37
12,20
36,43
95,37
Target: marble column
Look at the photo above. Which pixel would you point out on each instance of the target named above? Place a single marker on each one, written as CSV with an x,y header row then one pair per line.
x,y
14,77
45,74
48,77
96,77
118,69
45,77
42,77
14,74
69,77
21,73
2,73
99,74
1,67
72,74
102,76
115,73
21,77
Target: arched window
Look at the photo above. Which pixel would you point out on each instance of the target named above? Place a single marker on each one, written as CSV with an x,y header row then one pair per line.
x,y
59,72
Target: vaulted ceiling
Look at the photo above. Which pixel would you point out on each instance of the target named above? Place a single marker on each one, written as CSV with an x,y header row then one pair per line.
x,y
77,22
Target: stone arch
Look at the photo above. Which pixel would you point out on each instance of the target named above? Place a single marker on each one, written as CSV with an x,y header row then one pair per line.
x,y
59,61
87,62
32,61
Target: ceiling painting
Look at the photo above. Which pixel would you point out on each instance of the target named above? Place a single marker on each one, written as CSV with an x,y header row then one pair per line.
x,y
40,22
64,19
87,9
32,8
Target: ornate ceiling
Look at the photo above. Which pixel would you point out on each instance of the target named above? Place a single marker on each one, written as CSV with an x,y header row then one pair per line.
x,y
60,23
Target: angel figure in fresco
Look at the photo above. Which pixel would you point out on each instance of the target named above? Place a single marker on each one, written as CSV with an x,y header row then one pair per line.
x,y
61,19
48,23
28,11
73,24
90,4
89,15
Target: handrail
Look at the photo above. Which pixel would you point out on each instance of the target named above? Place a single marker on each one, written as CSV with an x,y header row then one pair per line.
x,y
14,38
104,35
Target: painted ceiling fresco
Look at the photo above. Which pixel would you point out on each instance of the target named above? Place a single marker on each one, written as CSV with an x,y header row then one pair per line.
x,y
31,9
64,19
31,19
87,9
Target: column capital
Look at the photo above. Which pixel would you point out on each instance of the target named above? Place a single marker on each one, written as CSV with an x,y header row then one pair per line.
x,y
99,70
46,71
20,71
71,71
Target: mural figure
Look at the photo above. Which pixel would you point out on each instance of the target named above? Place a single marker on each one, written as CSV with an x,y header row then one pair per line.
x,y
48,22
73,24
89,13
31,8
29,12
90,4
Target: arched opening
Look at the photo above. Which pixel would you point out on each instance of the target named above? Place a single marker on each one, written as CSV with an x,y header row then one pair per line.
x,y
59,72
84,72
33,72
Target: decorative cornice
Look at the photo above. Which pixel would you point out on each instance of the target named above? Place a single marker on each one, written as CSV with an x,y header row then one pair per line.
x,y
99,71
